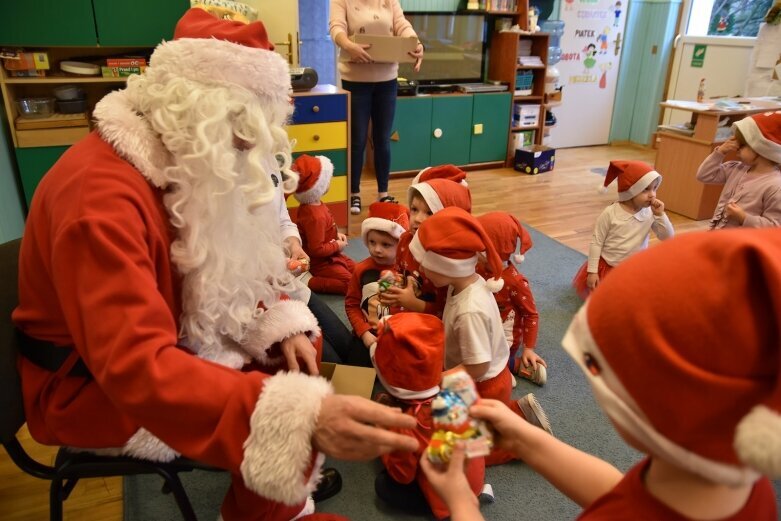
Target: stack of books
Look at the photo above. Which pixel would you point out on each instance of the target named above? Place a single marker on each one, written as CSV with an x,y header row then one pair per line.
x,y
122,67
530,61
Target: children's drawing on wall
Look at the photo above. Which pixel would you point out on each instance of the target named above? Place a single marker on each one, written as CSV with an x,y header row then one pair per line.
x,y
602,39
604,67
589,61
617,13
737,17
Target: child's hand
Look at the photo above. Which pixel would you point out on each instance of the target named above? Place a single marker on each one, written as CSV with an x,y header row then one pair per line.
x,y
509,428
449,481
342,244
735,213
530,358
657,207
403,297
368,339
592,281
729,146
341,237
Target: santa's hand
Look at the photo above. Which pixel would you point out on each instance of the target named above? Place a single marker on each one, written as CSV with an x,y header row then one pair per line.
x,y
294,249
299,346
353,428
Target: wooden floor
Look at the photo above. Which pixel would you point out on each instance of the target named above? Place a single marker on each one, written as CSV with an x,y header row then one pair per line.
x,y
562,204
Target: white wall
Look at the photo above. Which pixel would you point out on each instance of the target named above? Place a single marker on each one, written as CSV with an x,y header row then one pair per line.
x,y
280,18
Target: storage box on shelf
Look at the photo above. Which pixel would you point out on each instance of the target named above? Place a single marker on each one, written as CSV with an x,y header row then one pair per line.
x,y
504,65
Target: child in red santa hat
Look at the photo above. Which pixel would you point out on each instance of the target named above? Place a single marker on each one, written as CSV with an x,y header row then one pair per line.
x,y
408,357
515,300
330,269
433,189
447,246
623,228
708,418
380,231
751,196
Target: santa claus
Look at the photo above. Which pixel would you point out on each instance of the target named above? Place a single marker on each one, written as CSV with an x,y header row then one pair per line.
x,y
153,267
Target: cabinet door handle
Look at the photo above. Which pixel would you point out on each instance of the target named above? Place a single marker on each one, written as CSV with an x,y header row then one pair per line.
x,y
316,137
437,133
315,109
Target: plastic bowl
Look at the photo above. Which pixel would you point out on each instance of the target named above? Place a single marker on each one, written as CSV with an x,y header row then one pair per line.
x,y
69,92
71,106
35,107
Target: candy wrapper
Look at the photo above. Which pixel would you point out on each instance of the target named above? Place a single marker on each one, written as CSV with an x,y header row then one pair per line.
x,y
452,423
298,266
388,279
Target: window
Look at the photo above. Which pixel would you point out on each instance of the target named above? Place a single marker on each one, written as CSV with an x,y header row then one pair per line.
x,y
727,17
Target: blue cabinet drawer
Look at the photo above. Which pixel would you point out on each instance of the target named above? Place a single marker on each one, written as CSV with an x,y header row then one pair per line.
x,y
317,109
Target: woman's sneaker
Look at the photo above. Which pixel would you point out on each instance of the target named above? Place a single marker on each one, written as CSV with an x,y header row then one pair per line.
x,y
538,376
532,411
355,204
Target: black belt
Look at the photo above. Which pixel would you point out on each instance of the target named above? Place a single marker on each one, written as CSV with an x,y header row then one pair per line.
x,y
48,356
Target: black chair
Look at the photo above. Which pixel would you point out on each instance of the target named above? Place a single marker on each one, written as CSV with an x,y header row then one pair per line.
x,y
68,467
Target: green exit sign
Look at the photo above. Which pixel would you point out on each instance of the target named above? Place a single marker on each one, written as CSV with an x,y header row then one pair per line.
x,y
698,56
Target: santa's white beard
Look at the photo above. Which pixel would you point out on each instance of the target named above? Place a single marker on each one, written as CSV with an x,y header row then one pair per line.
x,y
231,258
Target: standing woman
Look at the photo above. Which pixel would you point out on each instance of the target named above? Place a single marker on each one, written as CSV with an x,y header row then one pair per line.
x,y
372,85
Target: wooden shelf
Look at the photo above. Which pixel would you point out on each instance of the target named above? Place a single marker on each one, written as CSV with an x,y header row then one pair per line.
x,y
518,129
531,67
63,79
527,98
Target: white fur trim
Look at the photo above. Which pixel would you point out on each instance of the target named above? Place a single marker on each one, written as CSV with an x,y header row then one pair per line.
x,y
218,62
398,392
518,258
758,441
758,142
623,410
494,285
321,186
428,194
416,179
640,185
143,445
602,189
278,450
278,322
120,125
441,264
393,229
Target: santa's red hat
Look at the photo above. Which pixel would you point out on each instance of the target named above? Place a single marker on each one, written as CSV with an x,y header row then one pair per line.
x,y
214,51
633,177
442,193
314,177
449,242
762,133
451,172
409,355
682,345
391,218
505,230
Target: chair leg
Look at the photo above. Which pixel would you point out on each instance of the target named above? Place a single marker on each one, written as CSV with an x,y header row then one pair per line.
x,y
55,500
174,485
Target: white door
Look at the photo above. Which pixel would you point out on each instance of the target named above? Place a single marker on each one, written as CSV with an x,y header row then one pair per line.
x,y
724,64
281,20
590,54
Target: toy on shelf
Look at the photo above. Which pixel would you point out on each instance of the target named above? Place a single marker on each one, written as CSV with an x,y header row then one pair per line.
x,y
452,423
298,266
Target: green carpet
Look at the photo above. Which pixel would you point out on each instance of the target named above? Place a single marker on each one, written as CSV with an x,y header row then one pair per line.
x,y
520,493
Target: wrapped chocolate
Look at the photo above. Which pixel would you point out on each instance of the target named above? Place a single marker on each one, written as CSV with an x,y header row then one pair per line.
x,y
388,279
298,266
452,423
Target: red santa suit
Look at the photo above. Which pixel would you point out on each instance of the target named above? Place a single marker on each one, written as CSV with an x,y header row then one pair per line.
x,y
97,277
408,358
330,268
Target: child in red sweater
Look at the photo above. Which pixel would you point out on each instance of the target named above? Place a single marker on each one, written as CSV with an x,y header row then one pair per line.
x,y
408,357
380,232
330,269
515,300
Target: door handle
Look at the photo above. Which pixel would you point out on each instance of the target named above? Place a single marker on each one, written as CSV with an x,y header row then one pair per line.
x,y
676,40
437,133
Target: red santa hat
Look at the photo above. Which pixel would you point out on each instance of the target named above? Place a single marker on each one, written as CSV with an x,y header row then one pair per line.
x,y
505,230
314,177
693,373
442,193
215,51
762,133
633,177
409,355
449,242
388,217
451,172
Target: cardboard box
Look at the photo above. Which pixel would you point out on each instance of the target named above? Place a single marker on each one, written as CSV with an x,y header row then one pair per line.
x,y
534,159
386,49
347,379
24,61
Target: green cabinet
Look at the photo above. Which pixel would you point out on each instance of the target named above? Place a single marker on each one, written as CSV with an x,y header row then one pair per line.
x,y
457,129
490,142
44,23
33,163
141,23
